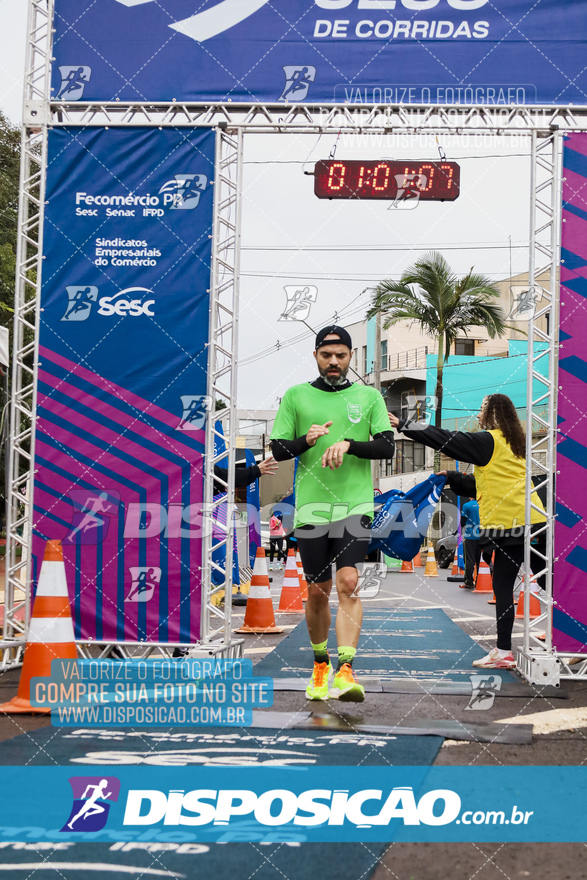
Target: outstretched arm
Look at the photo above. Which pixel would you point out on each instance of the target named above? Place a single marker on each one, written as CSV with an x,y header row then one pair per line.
x,y
475,447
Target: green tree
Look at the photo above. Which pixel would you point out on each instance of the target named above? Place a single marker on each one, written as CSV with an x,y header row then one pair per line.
x,y
9,177
9,188
430,294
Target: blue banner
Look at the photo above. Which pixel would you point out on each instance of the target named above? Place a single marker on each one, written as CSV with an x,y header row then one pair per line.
x,y
254,511
122,381
402,518
492,52
317,804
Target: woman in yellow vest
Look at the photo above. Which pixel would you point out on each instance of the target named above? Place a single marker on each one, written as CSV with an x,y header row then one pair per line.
x,y
498,452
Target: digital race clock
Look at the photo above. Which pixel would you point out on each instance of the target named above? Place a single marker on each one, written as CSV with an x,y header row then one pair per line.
x,y
387,179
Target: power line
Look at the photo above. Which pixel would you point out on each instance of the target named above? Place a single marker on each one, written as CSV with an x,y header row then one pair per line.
x,y
331,276
342,314
388,159
386,247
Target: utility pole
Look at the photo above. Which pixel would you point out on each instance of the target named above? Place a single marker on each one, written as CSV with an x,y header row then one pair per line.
x,y
377,384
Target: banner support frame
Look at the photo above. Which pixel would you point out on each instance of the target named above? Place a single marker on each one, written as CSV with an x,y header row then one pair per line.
x,y
23,399
234,119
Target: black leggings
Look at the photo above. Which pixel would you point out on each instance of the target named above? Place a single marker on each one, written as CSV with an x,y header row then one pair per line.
x,y
276,549
506,566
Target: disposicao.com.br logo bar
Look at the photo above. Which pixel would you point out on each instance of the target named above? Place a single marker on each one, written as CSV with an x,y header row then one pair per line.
x,y
318,803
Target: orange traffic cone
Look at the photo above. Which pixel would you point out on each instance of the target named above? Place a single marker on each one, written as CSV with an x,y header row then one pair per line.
x,y
259,616
50,634
431,569
484,582
417,560
290,601
302,577
456,574
407,566
534,601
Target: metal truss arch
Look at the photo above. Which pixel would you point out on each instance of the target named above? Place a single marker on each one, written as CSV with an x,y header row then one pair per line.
x,y
316,118
544,123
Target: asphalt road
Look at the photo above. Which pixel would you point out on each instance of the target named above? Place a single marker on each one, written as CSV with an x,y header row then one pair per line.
x,y
559,735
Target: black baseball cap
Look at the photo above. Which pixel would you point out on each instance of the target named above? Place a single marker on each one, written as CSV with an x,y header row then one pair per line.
x,y
333,330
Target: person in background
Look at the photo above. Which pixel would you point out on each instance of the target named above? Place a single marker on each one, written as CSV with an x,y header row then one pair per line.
x,y
243,476
498,452
470,523
276,536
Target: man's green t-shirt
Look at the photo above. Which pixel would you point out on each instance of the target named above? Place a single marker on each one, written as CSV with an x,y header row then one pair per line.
x,y
357,413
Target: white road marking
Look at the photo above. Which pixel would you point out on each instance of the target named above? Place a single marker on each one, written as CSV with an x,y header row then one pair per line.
x,y
87,866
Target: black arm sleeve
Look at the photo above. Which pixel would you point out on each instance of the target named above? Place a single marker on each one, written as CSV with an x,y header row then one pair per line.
x,y
242,476
381,446
475,448
462,484
284,449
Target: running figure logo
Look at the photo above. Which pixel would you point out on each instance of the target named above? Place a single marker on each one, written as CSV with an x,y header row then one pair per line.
x,y
91,517
484,688
80,300
73,82
184,191
299,302
90,802
297,82
523,302
144,581
195,409
409,187
370,580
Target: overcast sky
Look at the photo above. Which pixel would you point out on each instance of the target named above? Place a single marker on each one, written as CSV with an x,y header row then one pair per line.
x,y
290,237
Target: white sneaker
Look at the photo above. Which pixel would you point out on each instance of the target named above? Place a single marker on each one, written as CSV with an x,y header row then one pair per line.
x,y
278,567
496,659
270,566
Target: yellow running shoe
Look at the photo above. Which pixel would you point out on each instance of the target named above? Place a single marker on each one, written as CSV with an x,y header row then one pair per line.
x,y
346,687
318,685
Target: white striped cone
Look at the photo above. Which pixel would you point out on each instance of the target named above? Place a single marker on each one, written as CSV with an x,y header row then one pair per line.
x,y
290,601
302,577
259,616
50,635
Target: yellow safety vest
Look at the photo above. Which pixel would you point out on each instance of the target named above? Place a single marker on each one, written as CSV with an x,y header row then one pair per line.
x,y
501,486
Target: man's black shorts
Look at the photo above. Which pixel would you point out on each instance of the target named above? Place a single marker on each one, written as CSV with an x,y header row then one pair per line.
x,y
341,543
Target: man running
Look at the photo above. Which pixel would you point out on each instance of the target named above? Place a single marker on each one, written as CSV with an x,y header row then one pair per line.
x,y
327,424
90,806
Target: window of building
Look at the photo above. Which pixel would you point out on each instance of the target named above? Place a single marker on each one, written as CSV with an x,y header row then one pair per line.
x,y
409,457
364,360
384,354
465,346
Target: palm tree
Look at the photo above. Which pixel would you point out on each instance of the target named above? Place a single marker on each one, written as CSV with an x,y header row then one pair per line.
x,y
445,306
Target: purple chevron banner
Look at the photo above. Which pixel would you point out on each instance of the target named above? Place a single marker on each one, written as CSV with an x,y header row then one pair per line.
x,y
570,570
122,399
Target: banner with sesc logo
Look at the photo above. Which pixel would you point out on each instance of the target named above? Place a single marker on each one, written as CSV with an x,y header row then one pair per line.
x,y
489,52
122,400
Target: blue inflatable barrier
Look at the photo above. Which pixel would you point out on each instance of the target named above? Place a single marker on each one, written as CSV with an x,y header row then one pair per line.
x,y
402,518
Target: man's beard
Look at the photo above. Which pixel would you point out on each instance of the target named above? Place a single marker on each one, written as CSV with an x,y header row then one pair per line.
x,y
334,379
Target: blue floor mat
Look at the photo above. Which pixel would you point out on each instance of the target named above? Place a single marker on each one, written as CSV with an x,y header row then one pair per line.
x,y
395,644
214,746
